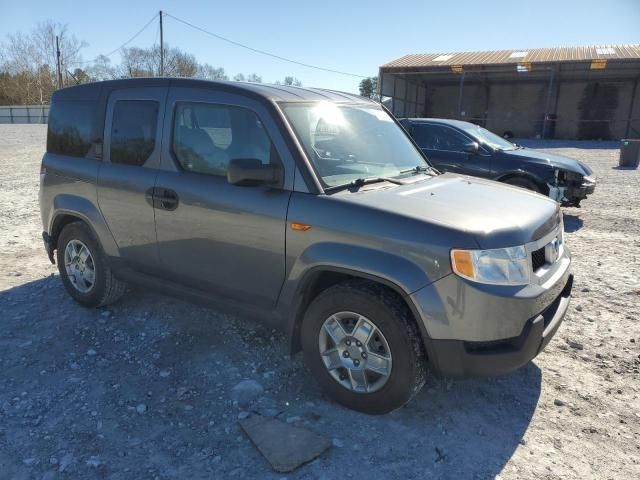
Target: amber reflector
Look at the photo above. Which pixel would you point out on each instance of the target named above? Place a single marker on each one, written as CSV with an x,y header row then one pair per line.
x,y
462,263
301,227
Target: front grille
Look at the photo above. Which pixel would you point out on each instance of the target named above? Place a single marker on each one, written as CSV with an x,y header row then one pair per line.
x,y
538,259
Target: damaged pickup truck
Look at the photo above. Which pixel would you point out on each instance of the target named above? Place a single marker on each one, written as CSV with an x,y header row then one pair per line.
x,y
462,147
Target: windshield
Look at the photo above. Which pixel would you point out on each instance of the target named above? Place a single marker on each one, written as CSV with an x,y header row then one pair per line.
x,y
489,138
349,142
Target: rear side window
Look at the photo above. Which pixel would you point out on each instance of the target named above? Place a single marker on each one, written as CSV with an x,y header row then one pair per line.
x,y
133,131
70,127
207,136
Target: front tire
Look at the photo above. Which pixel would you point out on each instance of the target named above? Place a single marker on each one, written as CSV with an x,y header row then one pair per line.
x,y
83,268
363,347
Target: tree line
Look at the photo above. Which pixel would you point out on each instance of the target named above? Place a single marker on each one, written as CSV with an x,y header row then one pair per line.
x,y
28,74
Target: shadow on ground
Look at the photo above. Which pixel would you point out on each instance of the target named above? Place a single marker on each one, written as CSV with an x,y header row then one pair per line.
x,y
74,380
572,223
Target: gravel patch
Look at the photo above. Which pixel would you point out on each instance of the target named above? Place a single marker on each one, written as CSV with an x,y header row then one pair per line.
x,y
153,387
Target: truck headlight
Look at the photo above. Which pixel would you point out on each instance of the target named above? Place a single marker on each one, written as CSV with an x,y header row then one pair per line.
x,y
499,266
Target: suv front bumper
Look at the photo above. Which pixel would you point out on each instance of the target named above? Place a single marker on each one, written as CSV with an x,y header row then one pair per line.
x,y
473,329
458,358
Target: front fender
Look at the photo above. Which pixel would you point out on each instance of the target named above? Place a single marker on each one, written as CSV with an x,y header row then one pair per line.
x,y
398,273
389,267
85,210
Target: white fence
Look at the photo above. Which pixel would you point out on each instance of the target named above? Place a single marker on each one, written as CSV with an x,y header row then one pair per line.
x,y
24,114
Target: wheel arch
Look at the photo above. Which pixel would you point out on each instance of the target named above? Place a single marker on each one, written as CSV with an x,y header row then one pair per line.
x,y
318,279
526,175
71,208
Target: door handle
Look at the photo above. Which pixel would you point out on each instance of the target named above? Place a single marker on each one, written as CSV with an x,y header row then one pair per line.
x,y
162,198
168,199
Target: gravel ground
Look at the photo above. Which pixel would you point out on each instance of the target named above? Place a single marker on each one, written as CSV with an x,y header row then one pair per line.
x,y
143,389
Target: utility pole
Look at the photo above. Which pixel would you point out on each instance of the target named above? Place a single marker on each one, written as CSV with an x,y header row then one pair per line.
x,y
58,69
161,47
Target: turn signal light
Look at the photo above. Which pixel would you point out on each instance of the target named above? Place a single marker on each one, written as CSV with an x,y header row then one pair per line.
x,y
300,227
462,263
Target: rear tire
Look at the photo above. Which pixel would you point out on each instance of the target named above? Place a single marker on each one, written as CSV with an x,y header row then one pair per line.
x,y
99,289
392,333
523,182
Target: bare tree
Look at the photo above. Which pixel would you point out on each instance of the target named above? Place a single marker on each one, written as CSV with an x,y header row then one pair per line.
x,y
292,81
145,62
254,78
207,72
239,77
102,69
30,61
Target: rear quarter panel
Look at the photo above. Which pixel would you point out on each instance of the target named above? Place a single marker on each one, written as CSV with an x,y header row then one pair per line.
x,y
68,186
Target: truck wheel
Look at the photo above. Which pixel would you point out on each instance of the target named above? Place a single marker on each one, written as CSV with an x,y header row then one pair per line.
x,y
362,346
523,183
83,268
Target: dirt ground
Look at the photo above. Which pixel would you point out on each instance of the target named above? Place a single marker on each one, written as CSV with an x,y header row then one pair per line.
x,y
142,389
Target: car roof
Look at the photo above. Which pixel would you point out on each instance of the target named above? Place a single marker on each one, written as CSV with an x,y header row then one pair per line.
x,y
276,93
443,121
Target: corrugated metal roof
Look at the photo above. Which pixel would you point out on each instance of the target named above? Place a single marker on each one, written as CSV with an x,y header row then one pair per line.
x,y
532,55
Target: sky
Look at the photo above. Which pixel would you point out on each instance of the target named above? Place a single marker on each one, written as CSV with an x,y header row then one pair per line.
x,y
348,35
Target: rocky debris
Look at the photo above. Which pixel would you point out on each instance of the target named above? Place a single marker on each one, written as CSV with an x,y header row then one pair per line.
x,y
91,352
559,403
185,392
141,408
60,406
246,392
575,345
65,461
284,446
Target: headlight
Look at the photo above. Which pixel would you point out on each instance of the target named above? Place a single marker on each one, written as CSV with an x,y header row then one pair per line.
x,y
500,266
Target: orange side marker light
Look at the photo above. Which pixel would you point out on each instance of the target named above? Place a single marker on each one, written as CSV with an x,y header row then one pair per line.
x,y
300,227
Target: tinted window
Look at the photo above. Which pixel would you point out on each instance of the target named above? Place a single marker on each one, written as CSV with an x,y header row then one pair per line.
x,y
133,131
70,126
435,137
207,136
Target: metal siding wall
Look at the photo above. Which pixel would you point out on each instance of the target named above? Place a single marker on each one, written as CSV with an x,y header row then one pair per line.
x,y
388,81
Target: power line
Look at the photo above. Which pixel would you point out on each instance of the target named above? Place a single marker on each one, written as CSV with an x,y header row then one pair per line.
x,y
134,37
121,46
262,52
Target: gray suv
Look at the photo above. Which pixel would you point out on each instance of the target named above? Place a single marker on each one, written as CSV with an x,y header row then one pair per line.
x,y
309,209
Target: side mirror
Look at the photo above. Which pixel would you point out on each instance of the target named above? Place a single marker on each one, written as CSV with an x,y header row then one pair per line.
x,y
473,148
249,172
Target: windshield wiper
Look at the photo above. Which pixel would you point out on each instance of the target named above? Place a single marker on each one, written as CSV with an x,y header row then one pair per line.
x,y
420,168
360,182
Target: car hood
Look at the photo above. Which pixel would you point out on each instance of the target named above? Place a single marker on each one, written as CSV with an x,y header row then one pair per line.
x,y
553,159
497,215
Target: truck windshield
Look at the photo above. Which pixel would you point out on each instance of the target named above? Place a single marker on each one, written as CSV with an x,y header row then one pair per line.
x,y
346,143
489,138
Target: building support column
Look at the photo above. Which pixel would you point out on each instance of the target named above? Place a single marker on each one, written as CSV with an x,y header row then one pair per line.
x,y
552,101
633,101
460,93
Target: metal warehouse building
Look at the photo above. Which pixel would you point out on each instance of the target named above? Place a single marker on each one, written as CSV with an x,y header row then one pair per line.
x,y
568,93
